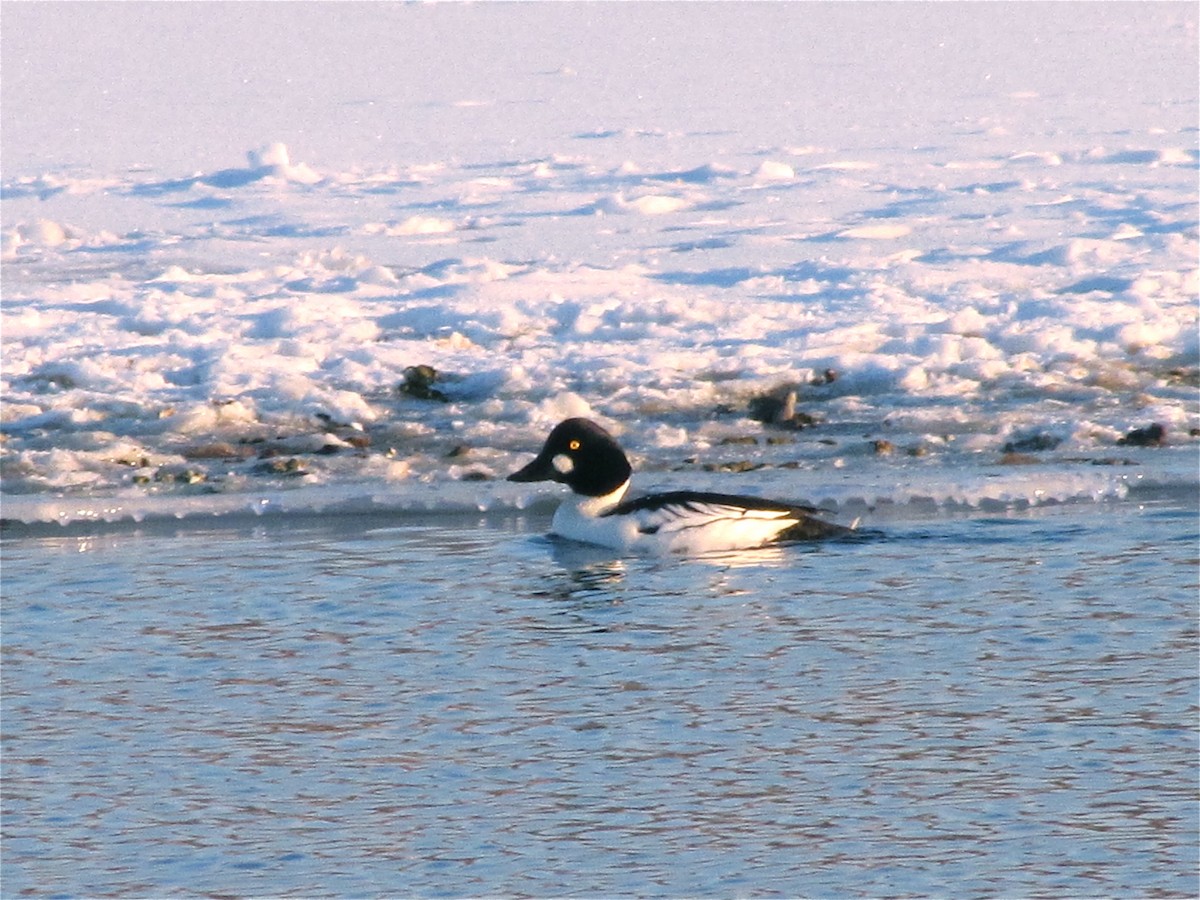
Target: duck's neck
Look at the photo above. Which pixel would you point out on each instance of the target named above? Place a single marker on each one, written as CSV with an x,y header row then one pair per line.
x,y
597,506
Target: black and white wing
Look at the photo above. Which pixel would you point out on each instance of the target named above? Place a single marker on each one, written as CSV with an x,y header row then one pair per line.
x,y
749,517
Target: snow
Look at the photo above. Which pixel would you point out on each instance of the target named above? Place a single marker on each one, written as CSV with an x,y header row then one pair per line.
x,y
600,210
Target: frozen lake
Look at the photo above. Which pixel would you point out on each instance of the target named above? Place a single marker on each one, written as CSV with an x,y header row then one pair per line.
x,y
225,253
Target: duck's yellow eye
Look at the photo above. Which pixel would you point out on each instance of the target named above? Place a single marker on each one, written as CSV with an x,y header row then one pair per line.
x,y
574,445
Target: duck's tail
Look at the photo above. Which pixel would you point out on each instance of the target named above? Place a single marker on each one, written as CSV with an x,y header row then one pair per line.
x,y
811,529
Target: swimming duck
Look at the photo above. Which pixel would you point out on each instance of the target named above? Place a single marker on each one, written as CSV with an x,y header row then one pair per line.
x,y
587,459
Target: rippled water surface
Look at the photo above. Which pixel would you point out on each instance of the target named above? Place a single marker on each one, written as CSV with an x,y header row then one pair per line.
x,y
972,706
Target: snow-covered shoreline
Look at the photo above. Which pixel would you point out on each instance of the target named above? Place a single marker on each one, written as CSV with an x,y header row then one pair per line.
x,y
1020,281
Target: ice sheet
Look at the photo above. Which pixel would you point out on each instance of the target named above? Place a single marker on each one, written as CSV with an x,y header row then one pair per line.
x,y
228,232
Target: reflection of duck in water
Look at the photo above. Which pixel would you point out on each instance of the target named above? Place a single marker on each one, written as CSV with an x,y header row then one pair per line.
x,y
587,581
586,458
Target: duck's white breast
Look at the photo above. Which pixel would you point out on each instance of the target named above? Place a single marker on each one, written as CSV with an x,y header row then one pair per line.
x,y
580,519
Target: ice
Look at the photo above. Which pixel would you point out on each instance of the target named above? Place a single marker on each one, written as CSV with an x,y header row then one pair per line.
x,y
651,226
879,232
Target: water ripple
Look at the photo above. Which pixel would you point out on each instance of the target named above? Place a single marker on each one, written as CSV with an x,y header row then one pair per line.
x,y
998,707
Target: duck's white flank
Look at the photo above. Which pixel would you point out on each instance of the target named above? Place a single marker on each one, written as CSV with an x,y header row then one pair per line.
x,y
690,528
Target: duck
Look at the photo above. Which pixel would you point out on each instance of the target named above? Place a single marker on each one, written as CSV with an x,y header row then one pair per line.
x,y
582,455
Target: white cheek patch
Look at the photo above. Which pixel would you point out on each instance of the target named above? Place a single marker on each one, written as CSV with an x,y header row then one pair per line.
x,y
563,464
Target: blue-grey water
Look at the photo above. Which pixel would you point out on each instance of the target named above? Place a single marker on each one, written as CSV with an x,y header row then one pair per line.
x,y
967,706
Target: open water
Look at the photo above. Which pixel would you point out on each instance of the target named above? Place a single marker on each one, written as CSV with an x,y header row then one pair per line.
x,y
974,705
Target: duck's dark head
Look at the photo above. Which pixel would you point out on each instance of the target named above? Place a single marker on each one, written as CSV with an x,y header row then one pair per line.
x,y
583,456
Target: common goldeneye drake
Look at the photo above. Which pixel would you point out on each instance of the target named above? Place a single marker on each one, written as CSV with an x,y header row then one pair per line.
x,y
586,458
